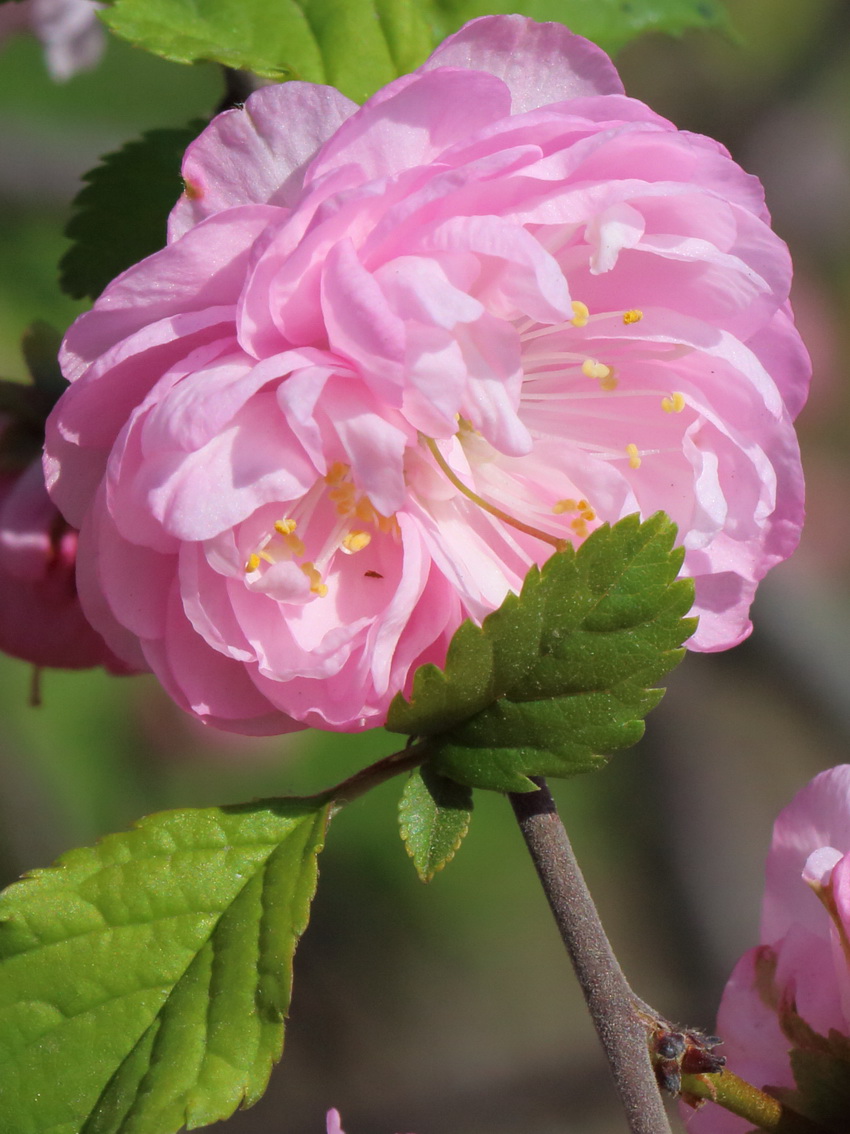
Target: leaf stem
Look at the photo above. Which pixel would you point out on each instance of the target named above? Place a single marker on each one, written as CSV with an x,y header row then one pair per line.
x,y
376,774
608,996
748,1102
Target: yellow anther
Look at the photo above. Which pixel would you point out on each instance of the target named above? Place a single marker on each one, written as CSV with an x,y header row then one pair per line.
x,y
253,563
356,541
588,514
387,524
336,473
364,511
317,587
608,383
344,497
593,368
633,316
582,504
674,404
285,527
633,455
581,313
579,527
562,506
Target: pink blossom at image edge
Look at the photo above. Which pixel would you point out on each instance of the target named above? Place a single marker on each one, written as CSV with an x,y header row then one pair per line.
x,y
391,355
800,969
334,1123
40,616
69,30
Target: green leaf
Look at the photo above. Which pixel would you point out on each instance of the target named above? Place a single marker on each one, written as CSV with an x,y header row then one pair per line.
x,y
610,23
562,673
434,816
144,981
354,45
360,45
120,216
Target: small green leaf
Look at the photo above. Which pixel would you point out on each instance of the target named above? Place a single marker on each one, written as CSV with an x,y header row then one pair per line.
x,y
120,216
434,816
354,45
144,981
562,673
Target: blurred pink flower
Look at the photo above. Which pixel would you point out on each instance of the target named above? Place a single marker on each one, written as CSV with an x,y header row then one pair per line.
x,y
40,616
797,981
69,30
392,355
334,1122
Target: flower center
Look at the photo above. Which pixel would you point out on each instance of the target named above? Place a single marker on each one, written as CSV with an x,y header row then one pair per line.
x,y
354,513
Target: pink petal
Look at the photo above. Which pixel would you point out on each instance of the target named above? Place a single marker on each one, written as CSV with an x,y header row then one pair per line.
x,y
257,152
541,63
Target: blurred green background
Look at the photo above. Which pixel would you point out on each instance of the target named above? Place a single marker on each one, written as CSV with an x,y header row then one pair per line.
x,y
450,1009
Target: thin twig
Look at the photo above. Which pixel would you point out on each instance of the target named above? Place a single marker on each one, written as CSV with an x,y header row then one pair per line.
x,y
377,773
609,999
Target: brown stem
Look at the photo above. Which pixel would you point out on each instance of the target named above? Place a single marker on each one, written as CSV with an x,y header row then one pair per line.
x,y
377,773
609,999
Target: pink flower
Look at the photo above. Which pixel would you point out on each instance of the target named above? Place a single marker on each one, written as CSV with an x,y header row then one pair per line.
x,y
69,30
334,1123
392,355
40,616
797,981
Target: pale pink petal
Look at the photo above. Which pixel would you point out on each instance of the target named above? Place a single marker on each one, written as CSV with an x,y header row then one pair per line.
x,y
411,122
541,63
818,816
257,152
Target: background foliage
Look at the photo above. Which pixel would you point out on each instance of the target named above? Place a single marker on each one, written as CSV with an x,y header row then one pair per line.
x,y
450,1008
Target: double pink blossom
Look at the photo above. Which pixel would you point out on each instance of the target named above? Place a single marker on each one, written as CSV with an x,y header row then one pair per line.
x,y
793,990
393,355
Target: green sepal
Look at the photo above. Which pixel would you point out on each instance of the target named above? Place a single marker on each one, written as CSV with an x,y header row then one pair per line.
x,y
144,981
119,217
561,675
434,816
24,407
40,347
356,46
